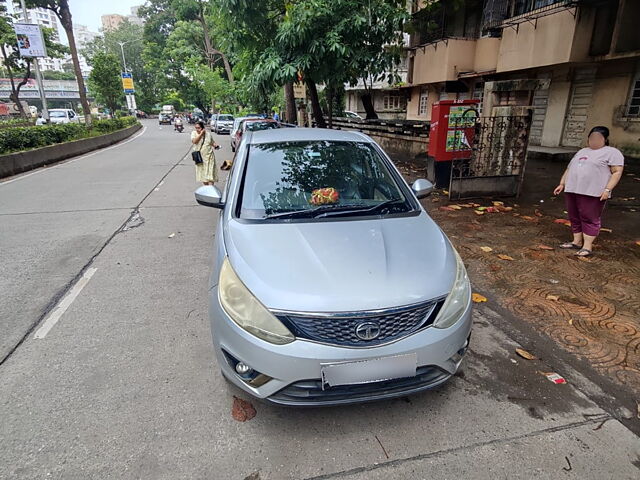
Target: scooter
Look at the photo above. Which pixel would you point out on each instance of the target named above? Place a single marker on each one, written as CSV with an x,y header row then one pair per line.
x,y
179,126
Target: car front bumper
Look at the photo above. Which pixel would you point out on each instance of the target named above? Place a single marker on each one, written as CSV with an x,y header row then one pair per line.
x,y
295,368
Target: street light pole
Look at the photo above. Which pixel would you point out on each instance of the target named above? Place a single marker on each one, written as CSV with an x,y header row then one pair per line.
x,y
43,98
124,62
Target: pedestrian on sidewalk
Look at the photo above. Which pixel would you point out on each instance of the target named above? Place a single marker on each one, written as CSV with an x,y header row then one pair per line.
x,y
203,143
587,182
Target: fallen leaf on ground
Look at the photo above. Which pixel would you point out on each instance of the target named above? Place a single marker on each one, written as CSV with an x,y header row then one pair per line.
x,y
538,213
466,205
505,257
475,205
172,235
447,209
525,354
242,410
571,321
516,214
478,212
527,217
495,204
446,192
492,210
608,230
435,200
554,298
477,298
562,221
504,209
455,207
583,258
486,249
494,268
638,242
481,209
545,247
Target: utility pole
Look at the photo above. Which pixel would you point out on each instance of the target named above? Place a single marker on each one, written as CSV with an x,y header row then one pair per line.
x,y
45,109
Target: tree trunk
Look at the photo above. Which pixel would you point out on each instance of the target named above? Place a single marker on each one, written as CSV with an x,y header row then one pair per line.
x,y
367,103
290,103
67,23
14,96
315,104
211,52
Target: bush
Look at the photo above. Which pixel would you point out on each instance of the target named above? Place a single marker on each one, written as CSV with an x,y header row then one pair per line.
x,y
24,138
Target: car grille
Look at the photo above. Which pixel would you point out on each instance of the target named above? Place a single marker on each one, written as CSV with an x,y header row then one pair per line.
x,y
340,329
310,392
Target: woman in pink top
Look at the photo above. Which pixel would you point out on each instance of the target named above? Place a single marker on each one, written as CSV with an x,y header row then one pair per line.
x,y
587,183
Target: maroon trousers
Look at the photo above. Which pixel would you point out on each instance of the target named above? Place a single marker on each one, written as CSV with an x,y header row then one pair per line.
x,y
585,213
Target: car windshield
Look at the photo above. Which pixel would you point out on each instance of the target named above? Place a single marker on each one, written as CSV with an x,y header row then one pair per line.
x,y
226,118
256,126
58,114
316,179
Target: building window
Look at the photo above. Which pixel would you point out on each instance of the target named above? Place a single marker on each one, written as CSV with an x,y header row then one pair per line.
x,y
392,102
633,107
422,106
478,94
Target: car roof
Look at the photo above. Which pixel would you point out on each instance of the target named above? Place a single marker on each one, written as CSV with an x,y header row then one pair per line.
x,y
306,134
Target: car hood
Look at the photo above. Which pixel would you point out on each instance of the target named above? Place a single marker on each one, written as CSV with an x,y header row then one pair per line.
x,y
344,265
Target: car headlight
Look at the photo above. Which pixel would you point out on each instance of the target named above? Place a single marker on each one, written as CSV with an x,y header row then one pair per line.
x,y
247,311
458,298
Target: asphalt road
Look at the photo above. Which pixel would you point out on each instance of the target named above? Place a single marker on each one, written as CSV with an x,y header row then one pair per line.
x,y
125,384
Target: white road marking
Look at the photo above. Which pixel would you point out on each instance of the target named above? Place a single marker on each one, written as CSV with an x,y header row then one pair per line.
x,y
63,162
56,314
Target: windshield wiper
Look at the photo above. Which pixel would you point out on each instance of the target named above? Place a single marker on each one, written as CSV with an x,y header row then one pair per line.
x,y
362,209
314,212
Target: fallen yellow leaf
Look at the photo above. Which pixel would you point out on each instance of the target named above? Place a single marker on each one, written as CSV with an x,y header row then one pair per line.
x,y
446,192
477,298
486,249
571,321
525,354
608,230
505,257
455,207
545,247
555,298
638,242
478,212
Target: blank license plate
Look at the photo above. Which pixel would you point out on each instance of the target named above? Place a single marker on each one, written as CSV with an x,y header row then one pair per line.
x,y
369,371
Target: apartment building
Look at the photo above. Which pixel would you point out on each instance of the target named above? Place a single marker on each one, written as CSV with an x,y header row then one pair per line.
x,y
113,21
575,63
83,36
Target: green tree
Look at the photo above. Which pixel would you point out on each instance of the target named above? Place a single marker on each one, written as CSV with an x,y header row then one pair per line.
x,y
104,80
63,12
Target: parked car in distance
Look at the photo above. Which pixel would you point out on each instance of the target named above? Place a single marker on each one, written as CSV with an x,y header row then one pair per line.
x,y
221,123
350,114
63,115
252,124
164,119
331,283
234,129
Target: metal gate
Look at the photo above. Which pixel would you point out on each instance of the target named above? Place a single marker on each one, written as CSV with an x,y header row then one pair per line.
x,y
493,162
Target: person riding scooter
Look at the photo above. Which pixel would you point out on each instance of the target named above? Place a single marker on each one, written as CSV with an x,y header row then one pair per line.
x,y
178,125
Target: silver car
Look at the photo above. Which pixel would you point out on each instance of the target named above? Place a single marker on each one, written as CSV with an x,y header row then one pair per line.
x,y
331,283
221,123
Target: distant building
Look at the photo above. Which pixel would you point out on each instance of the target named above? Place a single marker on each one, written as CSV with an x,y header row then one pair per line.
x,y
134,17
83,37
112,21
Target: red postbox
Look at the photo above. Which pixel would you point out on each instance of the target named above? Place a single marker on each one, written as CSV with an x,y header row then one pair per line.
x,y
451,135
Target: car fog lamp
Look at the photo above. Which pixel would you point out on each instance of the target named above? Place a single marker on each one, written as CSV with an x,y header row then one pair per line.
x,y
243,369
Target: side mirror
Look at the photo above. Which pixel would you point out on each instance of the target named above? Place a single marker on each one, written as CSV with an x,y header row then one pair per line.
x,y
422,188
209,196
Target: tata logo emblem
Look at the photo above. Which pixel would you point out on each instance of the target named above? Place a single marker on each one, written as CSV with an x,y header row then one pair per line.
x,y
367,331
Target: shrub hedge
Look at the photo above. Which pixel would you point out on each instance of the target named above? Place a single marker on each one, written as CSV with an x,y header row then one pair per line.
x,y
25,138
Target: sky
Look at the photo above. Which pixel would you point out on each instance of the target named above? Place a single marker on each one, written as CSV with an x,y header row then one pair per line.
x,y
88,12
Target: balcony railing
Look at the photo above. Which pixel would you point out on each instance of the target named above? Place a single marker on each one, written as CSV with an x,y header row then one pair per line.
x,y
499,13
